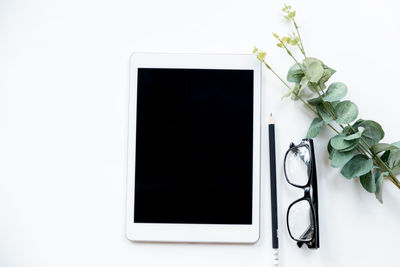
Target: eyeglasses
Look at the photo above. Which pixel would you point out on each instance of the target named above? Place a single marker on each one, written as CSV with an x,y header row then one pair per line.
x,y
302,214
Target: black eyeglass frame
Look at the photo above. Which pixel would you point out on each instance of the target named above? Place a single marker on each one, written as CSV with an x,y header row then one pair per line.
x,y
312,199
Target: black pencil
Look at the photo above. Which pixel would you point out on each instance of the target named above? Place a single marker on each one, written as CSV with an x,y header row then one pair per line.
x,y
274,204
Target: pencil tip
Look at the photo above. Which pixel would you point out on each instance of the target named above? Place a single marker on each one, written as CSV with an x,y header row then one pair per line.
x,y
271,121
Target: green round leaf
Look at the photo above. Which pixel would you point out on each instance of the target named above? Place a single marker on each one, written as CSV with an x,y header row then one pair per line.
x,y
326,117
353,146
356,135
314,71
315,128
335,103
338,158
335,92
340,143
295,74
309,60
373,132
368,182
377,148
357,166
346,112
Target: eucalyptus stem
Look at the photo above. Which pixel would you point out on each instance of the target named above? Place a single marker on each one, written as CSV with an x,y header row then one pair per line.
x,y
277,75
301,42
289,52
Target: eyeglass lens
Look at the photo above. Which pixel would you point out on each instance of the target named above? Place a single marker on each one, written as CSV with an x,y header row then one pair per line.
x,y
300,220
296,165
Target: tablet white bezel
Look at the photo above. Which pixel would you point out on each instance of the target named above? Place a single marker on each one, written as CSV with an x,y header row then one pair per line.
x,y
213,233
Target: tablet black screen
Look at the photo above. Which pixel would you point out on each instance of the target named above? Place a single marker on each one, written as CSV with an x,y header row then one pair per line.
x,y
194,146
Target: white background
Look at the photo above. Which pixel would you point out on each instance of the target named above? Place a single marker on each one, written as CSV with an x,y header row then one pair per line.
x,y
63,125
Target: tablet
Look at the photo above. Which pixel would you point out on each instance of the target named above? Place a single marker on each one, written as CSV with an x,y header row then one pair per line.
x,y
194,148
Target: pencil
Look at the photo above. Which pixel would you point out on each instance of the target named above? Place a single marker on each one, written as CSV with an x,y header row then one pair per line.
x,y
274,204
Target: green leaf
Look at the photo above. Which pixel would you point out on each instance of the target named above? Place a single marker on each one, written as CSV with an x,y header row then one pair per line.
x,y
326,117
353,146
357,123
373,132
315,128
368,182
396,144
286,8
330,148
346,112
338,158
394,158
334,104
293,41
309,60
261,55
314,72
356,135
340,143
378,183
313,86
303,83
296,92
332,71
396,170
377,148
295,73
337,142
335,92
325,77
357,166
314,101
385,157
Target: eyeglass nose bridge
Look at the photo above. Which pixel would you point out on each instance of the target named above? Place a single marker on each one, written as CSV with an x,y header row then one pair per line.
x,y
307,191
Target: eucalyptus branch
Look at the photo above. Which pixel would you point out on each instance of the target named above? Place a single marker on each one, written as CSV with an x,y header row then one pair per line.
x,y
355,149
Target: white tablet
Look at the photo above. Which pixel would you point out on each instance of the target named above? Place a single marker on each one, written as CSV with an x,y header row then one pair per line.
x,y
194,148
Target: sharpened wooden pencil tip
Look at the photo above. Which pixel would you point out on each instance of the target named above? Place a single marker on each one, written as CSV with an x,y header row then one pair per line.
x,y
271,120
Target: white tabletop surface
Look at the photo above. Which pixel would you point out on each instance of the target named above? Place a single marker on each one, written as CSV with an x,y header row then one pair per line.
x,y
63,125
